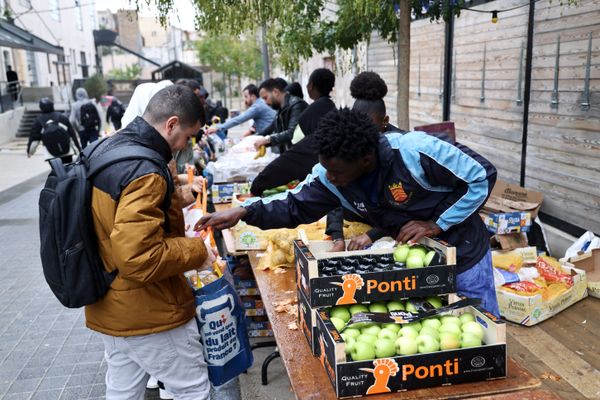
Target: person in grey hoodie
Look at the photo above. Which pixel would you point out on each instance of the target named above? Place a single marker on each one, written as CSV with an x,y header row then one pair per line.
x,y
85,117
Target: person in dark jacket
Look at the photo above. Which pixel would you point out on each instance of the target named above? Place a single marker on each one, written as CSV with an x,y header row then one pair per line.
x,y
295,89
115,112
298,161
289,108
368,89
35,136
409,185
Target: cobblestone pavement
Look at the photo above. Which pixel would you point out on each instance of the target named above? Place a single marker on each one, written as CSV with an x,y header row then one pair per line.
x,y
46,352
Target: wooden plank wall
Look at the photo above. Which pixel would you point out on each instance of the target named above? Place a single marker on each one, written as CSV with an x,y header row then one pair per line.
x,y
492,127
563,153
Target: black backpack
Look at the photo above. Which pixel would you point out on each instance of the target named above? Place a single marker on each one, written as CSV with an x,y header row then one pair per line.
x,y
55,136
69,246
90,119
116,110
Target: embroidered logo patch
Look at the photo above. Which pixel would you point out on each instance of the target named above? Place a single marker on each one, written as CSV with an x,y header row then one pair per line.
x,y
398,192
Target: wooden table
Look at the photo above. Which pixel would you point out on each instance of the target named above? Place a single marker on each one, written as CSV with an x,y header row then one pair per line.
x,y
309,380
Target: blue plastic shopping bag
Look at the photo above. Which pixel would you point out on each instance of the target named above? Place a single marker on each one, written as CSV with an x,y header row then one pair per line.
x,y
222,325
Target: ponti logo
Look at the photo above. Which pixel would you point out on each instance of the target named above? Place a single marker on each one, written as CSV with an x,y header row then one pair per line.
x,y
384,368
449,367
351,283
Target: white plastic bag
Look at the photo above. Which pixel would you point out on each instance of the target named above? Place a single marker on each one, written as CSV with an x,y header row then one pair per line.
x,y
586,243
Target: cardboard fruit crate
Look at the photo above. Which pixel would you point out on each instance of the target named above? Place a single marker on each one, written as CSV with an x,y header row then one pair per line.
x,y
399,373
351,288
531,310
307,321
590,263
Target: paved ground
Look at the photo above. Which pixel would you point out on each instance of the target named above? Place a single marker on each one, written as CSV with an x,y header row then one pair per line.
x,y
45,350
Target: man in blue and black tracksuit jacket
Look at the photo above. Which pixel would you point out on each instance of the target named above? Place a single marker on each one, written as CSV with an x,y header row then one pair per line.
x,y
408,185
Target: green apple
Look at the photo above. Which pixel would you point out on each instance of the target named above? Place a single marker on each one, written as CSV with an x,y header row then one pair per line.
x,y
340,312
450,319
395,306
356,308
469,340
416,325
435,301
338,323
363,351
372,329
452,328
350,343
431,322
401,253
427,344
358,325
409,331
367,338
466,317
406,345
410,307
474,328
392,327
449,341
414,261
351,332
426,330
387,334
428,258
417,251
385,348
378,307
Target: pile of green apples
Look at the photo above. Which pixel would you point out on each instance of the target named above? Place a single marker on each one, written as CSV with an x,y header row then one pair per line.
x,y
415,256
366,341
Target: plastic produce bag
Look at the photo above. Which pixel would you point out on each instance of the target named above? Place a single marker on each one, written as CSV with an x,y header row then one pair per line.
x,y
222,325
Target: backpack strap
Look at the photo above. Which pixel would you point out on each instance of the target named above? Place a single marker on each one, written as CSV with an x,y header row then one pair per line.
x,y
124,153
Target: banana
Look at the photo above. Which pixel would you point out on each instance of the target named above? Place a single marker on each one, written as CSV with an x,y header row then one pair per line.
x,y
262,150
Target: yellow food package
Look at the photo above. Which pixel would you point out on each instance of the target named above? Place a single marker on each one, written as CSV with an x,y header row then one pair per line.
x,y
553,290
509,261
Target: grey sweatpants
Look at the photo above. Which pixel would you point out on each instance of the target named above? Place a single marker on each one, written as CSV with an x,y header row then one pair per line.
x,y
174,357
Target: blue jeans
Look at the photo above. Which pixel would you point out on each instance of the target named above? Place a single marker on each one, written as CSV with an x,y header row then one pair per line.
x,y
478,282
88,136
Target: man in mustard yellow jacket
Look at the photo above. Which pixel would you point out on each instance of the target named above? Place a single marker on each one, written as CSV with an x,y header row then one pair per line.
x,y
146,319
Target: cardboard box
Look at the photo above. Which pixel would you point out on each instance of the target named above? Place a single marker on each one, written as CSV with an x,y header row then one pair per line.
x,y
529,254
531,310
506,223
511,208
258,328
590,263
323,291
509,241
394,374
307,321
253,307
223,192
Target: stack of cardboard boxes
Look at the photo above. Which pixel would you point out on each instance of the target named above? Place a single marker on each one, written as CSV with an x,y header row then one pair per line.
x,y
316,293
509,214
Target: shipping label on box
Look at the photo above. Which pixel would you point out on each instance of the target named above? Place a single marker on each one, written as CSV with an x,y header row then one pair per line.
x,y
365,287
531,310
384,375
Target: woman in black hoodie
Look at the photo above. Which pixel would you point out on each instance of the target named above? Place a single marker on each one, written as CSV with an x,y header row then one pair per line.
x,y
298,161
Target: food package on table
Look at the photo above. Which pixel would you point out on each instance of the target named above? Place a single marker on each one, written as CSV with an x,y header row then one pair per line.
x,y
280,248
240,167
523,288
353,229
550,269
509,261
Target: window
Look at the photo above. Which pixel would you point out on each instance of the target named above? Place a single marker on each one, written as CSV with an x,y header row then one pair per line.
x,y
78,16
84,66
73,61
55,10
